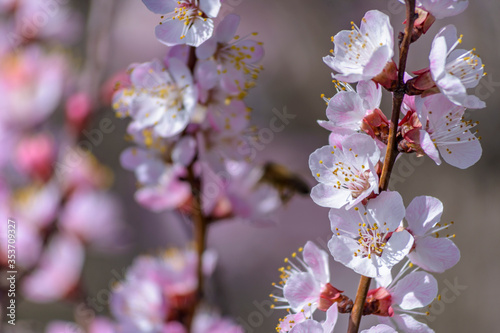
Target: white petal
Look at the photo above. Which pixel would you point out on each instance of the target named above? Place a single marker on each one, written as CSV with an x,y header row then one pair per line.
x,y
371,93
434,254
398,246
328,196
423,213
317,260
416,290
227,28
301,289
387,209
210,7
331,319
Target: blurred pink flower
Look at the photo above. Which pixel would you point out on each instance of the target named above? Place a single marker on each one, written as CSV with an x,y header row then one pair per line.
x,y
94,217
78,109
37,206
160,98
155,288
231,64
28,240
57,273
47,20
206,321
35,156
31,86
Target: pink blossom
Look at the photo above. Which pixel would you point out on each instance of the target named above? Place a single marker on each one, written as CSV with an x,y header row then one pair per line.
x,y
395,302
95,218
230,63
305,283
447,133
363,53
455,70
236,191
345,172
31,86
60,22
37,206
365,237
58,272
185,21
348,108
28,240
430,252
139,304
160,98
155,289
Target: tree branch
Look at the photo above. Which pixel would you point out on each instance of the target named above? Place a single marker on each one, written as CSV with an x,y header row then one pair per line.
x,y
390,155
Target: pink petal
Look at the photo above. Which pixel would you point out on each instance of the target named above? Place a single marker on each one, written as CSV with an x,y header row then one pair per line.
x,y
415,290
423,213
227,28
317,260
387,208
301,289
160,6
434,254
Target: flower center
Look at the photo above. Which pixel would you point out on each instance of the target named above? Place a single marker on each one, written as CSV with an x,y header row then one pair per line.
x,y
187,11
360,47
351,178
372,238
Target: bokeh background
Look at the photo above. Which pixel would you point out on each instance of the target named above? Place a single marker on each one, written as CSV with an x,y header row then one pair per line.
x,y
296,35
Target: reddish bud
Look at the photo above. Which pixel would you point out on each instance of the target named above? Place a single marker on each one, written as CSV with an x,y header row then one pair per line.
x,y
78,110
376,124
35,156
331,295
378,302
388,78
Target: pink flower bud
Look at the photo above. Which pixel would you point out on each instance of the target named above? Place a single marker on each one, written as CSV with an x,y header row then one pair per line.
x,y
78,109
35,156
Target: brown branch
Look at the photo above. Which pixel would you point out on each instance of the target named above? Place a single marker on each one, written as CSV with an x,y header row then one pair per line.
x,y
397,99
390,155
200,224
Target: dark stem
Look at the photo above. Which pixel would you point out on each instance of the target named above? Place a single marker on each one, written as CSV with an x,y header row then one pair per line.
x,y
200,224
390,155
200,221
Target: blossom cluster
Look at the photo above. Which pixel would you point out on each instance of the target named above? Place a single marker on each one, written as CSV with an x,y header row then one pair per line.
x,y
191,154
50,183
373,230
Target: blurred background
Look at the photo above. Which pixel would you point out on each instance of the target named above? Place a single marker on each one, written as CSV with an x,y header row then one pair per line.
x,y
296,35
